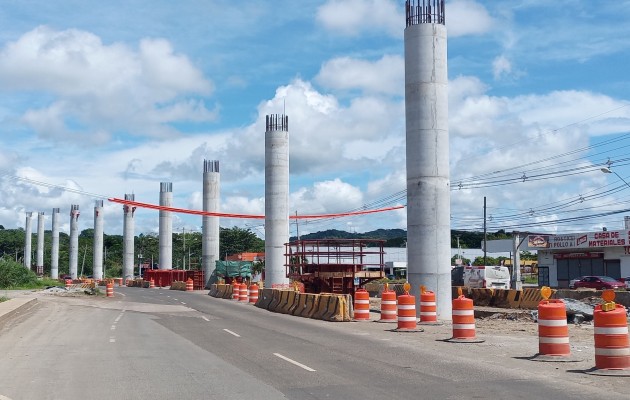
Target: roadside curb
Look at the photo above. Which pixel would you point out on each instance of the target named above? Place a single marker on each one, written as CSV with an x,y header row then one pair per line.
x,y
14,306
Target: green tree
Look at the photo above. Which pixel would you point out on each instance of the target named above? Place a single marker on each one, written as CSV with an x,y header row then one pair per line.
x,y
237,240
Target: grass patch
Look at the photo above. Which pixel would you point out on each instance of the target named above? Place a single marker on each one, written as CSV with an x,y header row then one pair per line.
x,y
3,298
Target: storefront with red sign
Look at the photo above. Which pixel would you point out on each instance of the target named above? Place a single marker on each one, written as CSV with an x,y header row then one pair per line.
x,y
562,258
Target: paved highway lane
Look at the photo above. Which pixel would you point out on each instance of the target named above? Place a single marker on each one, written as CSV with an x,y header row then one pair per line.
x,y
155,343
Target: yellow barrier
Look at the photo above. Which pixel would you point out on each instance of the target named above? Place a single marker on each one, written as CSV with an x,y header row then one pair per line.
x,y
481,297
531,297
229,290
290,303
275,300
264,298
310,305
322,306
300,304
338,308
500,298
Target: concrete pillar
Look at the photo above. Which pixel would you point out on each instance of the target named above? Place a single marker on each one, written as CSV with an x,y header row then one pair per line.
x,y
97,242
210,225
276,198
54,252
74,240
428,181
166,226
28,237
128,238
40,243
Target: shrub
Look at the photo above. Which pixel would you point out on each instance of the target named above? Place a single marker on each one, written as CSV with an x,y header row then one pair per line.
x,y
13,274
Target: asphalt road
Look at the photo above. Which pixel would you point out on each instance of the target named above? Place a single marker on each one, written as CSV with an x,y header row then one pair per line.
x,y
161,344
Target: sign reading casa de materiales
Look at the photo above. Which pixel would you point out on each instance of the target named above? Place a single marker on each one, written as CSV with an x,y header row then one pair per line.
x,y
580,240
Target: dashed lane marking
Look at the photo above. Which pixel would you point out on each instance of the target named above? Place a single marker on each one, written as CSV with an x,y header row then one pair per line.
x,y
294,362
232,333
206,319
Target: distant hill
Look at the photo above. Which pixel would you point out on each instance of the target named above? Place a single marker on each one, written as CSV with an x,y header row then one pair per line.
x,y
398,237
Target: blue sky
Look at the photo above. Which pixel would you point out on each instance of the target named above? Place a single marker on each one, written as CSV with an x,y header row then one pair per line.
x,y
108,98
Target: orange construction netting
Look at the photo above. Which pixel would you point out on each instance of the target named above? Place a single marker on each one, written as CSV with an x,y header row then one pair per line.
x,y
246,216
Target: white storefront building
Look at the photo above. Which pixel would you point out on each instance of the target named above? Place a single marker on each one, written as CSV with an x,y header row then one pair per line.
x,y
565,257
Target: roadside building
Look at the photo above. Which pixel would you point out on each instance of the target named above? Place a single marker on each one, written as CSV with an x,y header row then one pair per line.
x,y
562,258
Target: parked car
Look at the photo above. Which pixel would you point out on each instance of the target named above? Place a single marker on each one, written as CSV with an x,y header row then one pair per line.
x,y
626,281
572,282
599,283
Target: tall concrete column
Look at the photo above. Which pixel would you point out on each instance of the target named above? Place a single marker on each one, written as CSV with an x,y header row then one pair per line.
x,y
28,237
210,225
128,238
40,243
74,240
54,251
428,182
276,198
97,243
166,226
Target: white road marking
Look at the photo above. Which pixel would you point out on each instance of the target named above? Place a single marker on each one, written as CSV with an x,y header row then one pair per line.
x,y
175,299
385,339
361,333
182,302
294,362
4,397
113,328
232,333
205,319
112,339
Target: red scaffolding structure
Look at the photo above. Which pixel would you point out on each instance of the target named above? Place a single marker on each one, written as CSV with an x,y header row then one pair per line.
x,y
334,265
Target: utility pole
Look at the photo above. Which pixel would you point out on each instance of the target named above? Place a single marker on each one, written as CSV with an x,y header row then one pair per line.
x,y
485,232
184,252
459,252
297,227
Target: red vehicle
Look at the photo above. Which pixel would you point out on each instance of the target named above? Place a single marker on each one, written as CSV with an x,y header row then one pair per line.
x,y
599,283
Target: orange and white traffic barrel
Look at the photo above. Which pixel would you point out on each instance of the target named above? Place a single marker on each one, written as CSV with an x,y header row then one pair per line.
x,y
612,346
236,290
252,293
406,311
428,307
109,289
151,284
189,285
388,305
553,331
68,283
463,321
242,294
361,305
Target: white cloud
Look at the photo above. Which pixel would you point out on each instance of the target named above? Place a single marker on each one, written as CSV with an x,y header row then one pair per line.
x,y
98,89
385,75
501,66
467,17
327,196
351,17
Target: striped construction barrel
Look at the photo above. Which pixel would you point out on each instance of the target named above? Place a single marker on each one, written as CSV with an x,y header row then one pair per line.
x,y
236,290
361,305
388,306
407,312
252,293
109,289
242,294
463,319
428,307
553,332
612,349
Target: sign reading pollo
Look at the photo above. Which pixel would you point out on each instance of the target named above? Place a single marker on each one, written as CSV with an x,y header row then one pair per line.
x,y
580,240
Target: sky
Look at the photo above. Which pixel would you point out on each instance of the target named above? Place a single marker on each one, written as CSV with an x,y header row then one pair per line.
x,y
99,99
